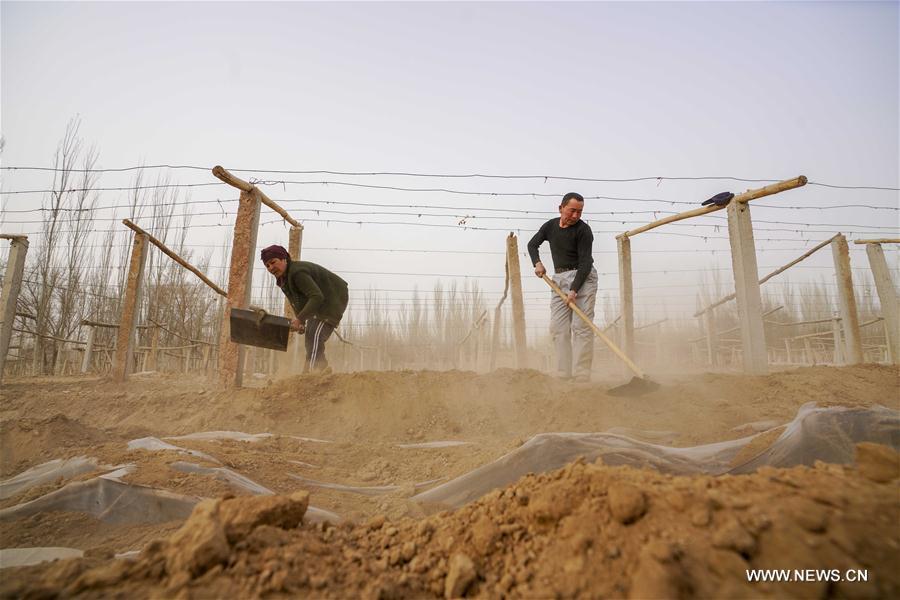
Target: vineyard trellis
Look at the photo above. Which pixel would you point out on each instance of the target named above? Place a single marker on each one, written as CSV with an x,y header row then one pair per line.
x,y
243,245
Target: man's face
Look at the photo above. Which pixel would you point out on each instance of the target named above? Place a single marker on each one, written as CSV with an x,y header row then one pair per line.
x,y
570,213
276,266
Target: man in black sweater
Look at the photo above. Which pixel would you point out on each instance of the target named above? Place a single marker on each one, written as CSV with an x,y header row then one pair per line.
x,y
318,297
571,242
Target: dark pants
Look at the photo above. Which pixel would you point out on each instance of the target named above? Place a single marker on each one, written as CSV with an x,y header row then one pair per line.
x,y
317,333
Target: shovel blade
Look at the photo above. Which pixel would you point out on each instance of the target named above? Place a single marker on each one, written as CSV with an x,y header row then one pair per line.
x,y
269,332
635,387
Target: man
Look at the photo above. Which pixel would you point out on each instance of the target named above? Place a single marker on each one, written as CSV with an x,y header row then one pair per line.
x,y
571,242
318,297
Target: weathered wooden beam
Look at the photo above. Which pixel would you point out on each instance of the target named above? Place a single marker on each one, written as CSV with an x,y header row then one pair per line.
x,y
746,285
240,279
12,285
781,269
244,186
878,241
165,250
130,307
745,197
847,299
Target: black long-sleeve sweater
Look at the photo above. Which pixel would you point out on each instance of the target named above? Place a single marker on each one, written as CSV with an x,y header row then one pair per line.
x,y
570,248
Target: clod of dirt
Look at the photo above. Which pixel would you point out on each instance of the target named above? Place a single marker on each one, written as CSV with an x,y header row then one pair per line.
x,y
878,462
461,574
214,526
200,543
626,503
242,515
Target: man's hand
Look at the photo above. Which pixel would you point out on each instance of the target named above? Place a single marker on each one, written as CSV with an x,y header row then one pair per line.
x,y
570,299
297,326
539,269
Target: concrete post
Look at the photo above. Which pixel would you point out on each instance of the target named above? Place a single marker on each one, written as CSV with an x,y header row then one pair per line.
x,y
746,286
849,317
887,297
88,349
130,306
240,279
12,284
838,343
626,294
518,302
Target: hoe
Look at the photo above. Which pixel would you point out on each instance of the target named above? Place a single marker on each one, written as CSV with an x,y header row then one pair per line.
x,y
639,384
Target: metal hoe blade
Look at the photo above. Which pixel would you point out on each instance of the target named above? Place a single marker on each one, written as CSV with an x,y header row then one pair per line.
x,y
262,330
636,387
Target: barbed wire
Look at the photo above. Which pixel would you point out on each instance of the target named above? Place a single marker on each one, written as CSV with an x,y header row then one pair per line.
x,y
657,178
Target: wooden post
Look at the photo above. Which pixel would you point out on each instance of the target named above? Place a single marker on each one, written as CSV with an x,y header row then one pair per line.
x,y
626,293
838,344
712,338
130,306
152,362
849,317
518,302
746,285
240,278
12,284
787,350
887,296
289,362
88,349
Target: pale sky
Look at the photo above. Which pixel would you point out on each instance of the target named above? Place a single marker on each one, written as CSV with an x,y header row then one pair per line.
x,y
765,91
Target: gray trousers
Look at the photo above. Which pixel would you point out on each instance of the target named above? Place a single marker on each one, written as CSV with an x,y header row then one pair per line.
x,y
572,337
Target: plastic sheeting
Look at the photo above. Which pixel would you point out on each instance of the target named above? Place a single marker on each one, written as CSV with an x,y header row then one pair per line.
x,y
115,502
827,434
45,473
110,501
223,435
233,478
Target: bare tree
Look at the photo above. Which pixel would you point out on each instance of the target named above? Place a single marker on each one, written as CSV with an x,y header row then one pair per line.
x,y
68,220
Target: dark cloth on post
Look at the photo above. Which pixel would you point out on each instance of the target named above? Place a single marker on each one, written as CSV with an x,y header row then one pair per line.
x,y
314,292
570,248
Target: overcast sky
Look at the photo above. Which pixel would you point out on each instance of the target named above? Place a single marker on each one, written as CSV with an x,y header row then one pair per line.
x,y
763,91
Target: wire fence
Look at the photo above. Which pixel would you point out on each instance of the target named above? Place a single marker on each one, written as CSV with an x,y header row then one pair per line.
x,y
461,262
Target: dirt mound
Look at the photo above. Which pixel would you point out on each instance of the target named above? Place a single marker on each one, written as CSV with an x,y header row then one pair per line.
x,y
584,530
26,442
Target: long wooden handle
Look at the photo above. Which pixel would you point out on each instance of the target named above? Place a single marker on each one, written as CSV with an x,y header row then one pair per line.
x,y
637,371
